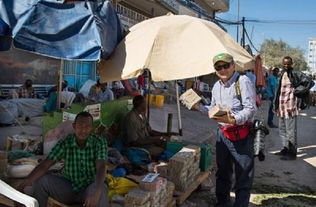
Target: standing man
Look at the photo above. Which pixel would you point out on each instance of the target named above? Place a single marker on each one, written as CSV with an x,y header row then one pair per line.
x,y
82,179
271,90
234,140
313,92
292,95
252,77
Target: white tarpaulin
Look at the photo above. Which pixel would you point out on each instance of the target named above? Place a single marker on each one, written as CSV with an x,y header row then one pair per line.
x,y
11,109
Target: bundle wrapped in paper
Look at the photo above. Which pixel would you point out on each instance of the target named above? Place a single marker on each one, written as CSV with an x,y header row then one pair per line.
x,y
217,111
189,98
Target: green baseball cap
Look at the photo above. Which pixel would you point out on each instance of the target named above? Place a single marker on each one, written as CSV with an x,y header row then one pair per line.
x,y
223,57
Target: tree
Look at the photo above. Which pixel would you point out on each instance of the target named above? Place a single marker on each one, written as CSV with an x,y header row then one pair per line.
x,y
273,51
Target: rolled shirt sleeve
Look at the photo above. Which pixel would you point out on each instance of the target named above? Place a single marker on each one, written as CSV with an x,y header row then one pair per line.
x,y
102,150
205,109
248,97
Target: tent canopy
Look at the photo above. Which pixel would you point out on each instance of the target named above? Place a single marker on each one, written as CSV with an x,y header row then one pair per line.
x,y
80,30
172,47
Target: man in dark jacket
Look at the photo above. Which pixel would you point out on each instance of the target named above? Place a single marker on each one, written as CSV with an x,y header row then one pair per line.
x,y
292,94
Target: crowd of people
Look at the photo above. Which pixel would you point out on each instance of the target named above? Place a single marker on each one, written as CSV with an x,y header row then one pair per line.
x,y
82,179
97,93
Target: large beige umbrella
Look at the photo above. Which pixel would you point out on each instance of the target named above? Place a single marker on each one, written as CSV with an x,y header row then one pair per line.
x,y
172,47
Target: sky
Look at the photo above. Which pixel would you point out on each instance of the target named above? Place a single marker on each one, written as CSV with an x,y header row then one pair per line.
x,y
295,35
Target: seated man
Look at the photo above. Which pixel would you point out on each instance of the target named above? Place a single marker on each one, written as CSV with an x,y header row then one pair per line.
x,y
66,98
82,179
118,89
138,133
94,92
106,94
27,90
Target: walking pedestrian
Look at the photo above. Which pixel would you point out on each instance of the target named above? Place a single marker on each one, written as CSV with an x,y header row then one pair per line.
x,y
234,140
271,90
292,94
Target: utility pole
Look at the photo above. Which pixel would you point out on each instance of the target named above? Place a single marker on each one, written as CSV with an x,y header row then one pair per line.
x,y
243,32
238,22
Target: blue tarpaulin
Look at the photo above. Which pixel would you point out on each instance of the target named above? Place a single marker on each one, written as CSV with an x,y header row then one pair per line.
x,y
82,30
4,28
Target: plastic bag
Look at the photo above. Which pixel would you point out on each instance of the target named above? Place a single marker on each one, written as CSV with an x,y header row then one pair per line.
x,y
119,186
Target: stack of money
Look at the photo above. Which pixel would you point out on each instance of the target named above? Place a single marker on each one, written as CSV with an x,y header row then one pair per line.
x,y
170,191
162,169
158,191
183,167
137,197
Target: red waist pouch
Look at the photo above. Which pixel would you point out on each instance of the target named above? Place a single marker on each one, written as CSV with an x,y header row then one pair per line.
x,y
236,132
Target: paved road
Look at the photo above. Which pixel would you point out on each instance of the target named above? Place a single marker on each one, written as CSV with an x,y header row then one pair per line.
x,y
272,173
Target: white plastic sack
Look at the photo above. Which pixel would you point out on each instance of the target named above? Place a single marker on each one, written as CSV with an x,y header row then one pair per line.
x,y
54,135
8,112
84,90
20,171
11,109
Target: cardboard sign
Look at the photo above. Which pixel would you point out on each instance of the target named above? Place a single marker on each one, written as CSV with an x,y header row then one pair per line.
x,y
94,110
68,116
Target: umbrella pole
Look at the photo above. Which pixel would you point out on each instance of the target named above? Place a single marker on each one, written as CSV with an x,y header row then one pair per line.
x,y
178,109
59,86
148,95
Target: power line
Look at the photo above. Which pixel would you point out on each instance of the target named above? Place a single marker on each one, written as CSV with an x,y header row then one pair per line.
x,y
282,21
252,45
224,21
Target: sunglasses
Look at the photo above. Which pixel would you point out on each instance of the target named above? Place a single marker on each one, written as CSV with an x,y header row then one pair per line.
x,y
220,67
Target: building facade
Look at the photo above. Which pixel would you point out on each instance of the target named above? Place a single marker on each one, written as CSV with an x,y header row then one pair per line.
x,y
311,58
132,12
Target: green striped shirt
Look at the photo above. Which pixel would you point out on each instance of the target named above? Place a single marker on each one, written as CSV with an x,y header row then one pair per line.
x,y
80,163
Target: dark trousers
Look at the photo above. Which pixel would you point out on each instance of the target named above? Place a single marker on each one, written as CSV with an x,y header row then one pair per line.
x,y
240,155
60,189
271,113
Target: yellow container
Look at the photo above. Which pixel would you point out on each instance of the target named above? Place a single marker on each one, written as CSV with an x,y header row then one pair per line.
x,y
159,100
151,98
188,84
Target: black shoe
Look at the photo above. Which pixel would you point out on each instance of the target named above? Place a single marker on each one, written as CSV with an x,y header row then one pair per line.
x,y
283,152
288,157
227,204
